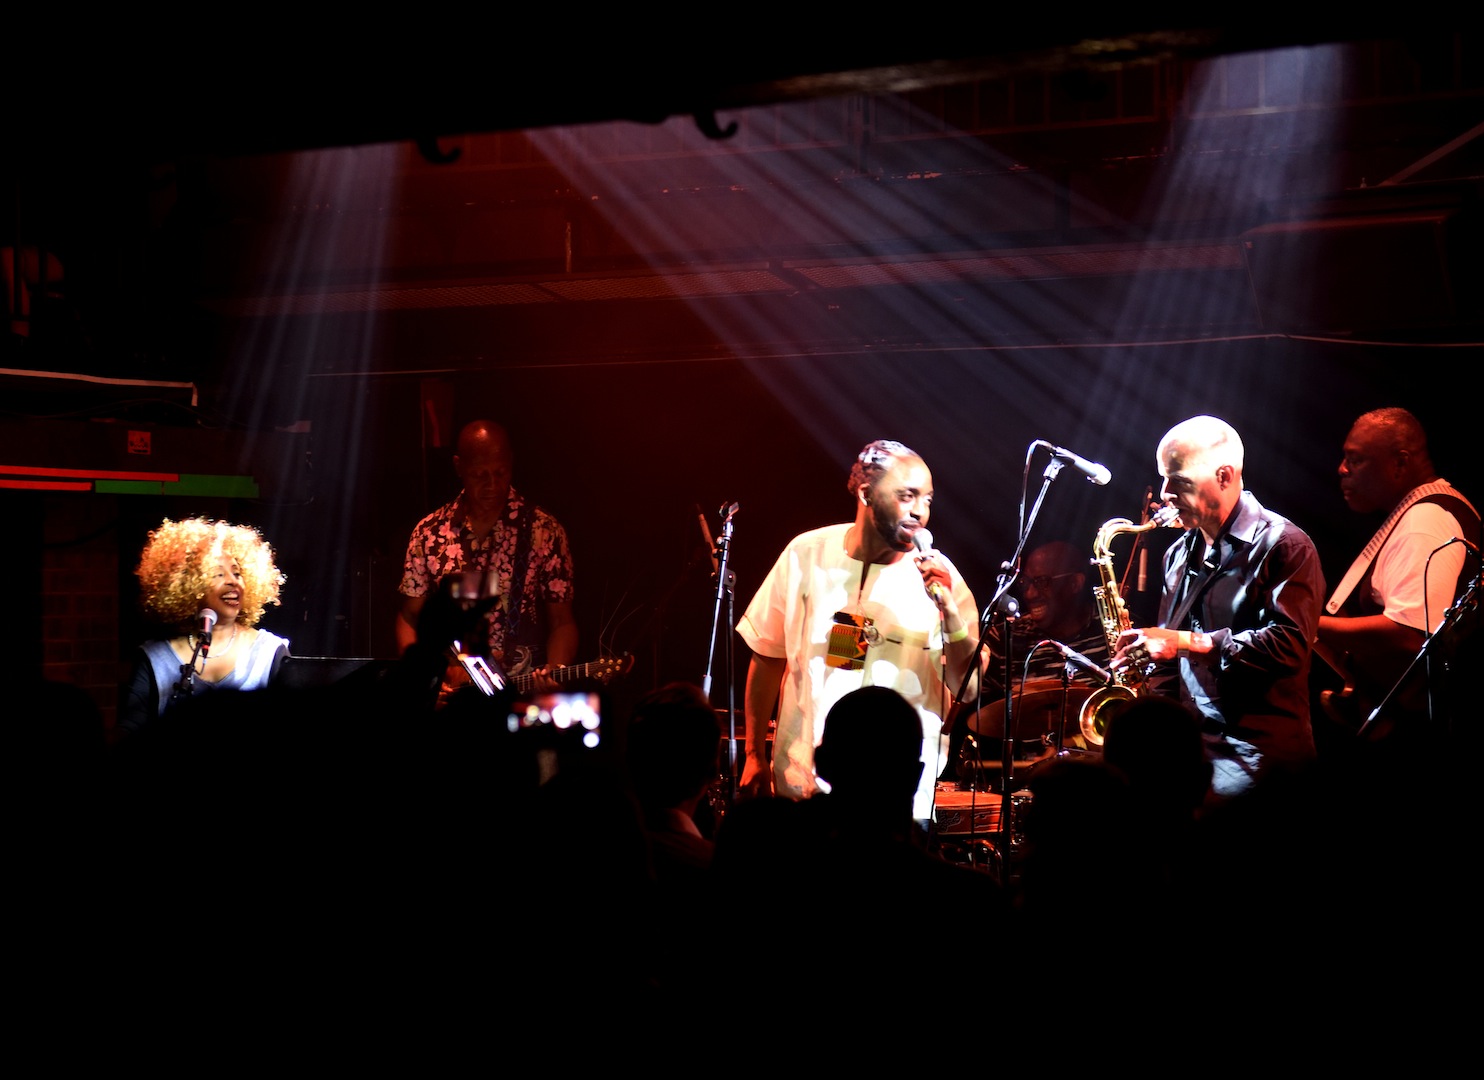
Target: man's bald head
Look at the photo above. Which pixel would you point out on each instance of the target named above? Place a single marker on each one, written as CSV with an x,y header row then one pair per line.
x,y
479,436
485,463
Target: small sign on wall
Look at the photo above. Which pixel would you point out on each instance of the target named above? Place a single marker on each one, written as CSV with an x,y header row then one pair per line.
x,y
139,442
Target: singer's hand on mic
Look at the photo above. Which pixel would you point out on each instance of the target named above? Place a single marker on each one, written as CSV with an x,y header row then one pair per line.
x,y
936,580
935,577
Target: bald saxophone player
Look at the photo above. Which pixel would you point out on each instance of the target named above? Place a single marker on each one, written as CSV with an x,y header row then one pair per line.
x,y
1242,594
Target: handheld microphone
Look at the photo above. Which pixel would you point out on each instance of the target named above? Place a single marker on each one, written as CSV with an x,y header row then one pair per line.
x,y
923,541
205,620
1098,474
1072,656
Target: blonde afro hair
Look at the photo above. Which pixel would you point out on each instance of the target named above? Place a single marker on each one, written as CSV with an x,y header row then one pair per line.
x,y
175,569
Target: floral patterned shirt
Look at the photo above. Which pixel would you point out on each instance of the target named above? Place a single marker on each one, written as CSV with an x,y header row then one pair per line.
x,y
443,543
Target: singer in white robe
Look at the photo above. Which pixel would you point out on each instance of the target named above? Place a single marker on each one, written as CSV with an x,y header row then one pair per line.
x,y
849,605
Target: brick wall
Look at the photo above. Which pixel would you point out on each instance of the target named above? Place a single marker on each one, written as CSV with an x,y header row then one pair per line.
x,y
79,597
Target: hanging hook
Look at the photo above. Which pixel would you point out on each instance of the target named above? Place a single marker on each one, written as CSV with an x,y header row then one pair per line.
x,y
434,155
706,121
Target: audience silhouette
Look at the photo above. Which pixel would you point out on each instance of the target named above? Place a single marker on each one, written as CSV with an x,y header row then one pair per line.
x,y
356,841
673,755
844,880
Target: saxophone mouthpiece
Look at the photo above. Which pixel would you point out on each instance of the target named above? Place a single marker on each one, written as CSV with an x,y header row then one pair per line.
x,y
1164,515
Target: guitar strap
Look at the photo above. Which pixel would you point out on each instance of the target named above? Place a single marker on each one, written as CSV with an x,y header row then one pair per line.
x,y
1363,561
518,568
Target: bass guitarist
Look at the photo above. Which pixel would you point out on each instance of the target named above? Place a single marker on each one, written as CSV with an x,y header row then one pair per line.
x,y
1398,590
519,549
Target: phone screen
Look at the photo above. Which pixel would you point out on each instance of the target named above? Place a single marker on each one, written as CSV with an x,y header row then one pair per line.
x,y
579,714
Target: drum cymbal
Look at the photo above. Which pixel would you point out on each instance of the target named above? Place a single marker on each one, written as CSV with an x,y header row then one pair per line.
x,y
989,764
1033,712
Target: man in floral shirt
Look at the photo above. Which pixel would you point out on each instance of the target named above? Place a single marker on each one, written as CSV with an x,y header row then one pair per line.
x,y
490,527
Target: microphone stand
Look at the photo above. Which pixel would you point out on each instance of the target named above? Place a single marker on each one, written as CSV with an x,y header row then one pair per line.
x,y
1061,720
1464,605
182,690
1004,607
726,580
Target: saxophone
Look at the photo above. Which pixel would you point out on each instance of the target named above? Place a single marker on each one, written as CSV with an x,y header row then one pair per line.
x,y
1101,706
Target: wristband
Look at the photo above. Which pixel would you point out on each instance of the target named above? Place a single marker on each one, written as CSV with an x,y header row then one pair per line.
x,y
1192,642
958,635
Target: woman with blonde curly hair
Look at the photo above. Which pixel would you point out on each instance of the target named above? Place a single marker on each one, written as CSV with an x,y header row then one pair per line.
x,y
187,569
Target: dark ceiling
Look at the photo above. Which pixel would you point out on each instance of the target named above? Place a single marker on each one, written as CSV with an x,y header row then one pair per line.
x,y
1042,183
156,96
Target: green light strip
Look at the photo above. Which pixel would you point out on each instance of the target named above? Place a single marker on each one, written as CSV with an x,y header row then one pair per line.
x,y
232,487
129,487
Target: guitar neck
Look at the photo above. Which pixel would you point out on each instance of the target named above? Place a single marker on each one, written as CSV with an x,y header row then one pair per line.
x,y
596,669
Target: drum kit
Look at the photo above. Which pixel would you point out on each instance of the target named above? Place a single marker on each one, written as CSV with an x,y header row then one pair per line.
x,y
1044,719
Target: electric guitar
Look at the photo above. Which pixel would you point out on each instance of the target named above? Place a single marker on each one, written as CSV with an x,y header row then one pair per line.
x,y
1366,686
491,680
602,670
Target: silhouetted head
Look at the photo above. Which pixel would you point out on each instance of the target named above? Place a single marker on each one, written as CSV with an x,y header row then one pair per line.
x,y
871,750
674,744
1155,742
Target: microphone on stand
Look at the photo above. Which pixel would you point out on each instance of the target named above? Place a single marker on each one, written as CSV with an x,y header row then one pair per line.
x,y
1098,474
1072,656
205,620
710,543
923,541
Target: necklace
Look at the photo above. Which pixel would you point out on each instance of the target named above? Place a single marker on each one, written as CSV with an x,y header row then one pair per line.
x,y
231,642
